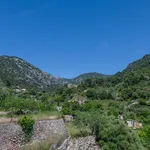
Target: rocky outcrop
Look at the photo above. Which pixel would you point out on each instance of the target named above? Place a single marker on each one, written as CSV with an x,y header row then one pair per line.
x,y
85,143
17,71
11,135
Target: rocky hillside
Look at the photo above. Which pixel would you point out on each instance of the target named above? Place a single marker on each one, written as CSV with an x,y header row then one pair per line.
x,y
17,72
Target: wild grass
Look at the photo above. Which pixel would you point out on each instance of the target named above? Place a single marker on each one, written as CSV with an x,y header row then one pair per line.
x,y
46,115
76,132
42,145
52,142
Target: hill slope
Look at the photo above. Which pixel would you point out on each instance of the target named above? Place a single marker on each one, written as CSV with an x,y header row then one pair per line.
x,y
17,72
139,64
84,76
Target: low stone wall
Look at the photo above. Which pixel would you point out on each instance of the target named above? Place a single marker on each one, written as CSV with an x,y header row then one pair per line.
x,y
85,143
11,134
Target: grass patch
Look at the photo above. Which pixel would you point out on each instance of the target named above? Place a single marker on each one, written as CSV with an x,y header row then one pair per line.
x,y
75,132
47,115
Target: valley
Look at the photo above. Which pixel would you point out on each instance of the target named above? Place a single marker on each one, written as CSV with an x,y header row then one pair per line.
x,y
114,109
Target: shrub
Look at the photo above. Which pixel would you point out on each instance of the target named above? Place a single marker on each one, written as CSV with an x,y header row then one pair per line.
x,y
27,124
142,102
121,137
66,111
111,133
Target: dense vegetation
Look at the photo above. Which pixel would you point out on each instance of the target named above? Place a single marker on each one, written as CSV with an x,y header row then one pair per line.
x,y
96,104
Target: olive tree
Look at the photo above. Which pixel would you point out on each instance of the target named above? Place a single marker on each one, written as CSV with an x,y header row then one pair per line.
x,y
15,104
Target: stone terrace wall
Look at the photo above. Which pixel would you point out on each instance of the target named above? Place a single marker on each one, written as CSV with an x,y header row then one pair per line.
x,y
84,143
11,135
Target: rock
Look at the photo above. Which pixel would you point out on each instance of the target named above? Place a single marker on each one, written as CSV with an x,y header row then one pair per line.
x,y
86,143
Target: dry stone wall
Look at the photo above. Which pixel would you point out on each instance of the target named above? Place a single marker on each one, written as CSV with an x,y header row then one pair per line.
x,y
11,134
84,143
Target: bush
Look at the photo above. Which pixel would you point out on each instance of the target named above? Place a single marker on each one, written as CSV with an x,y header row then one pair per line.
x,y
76,132
111,133
91,94
144,135
27,124
92,105
66,111
116,135
142,102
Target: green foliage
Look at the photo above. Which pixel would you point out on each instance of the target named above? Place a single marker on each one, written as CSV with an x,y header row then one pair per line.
x,y
97,115
89,120
4,92
19,106
88,76
91,94
109,131
70,108
99,93
92,105
27,124
58,99
139,64
142,102
76,131
144,135
66,111
142,113
113,132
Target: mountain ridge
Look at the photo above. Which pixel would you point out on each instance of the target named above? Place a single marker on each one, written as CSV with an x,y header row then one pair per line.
x,y
18,72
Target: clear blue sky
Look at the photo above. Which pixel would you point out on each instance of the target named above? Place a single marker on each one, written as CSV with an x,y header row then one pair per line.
x,y
70,37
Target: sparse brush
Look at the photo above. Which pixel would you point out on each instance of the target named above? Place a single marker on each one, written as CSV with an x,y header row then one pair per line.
x,y
52,142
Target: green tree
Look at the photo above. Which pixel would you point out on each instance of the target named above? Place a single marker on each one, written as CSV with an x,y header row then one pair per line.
x,y
91,94
58,99
110,132
15,104
27,124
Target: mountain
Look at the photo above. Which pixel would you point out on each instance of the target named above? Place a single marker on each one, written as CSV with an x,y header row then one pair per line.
x,y
142,63
85,76
17,72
